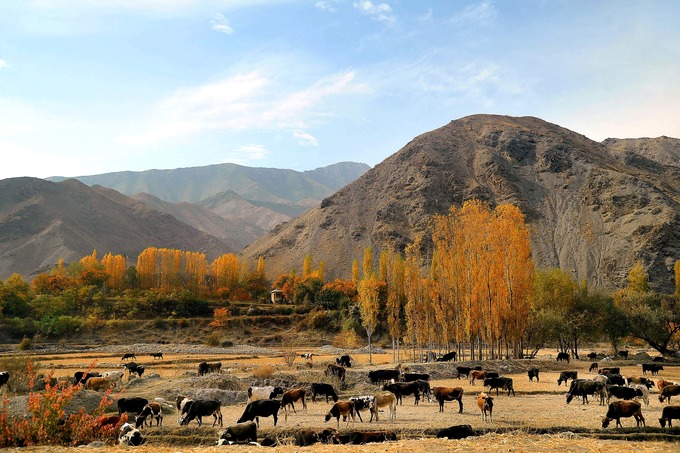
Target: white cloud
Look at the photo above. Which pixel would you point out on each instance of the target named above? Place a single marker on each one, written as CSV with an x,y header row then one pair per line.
x,y
221,24
381,12
3,64
305,139
484,12
247,154
325,6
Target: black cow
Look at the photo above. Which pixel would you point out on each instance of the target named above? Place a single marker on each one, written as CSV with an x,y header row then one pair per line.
x,y
563,356
344,360
157,355
668,392
81,377
198,409
449,356
4,378
324,389
425,389
593,367
261,408
623,354
379,376
583,388
134,368
621,392
209,367
456,432
499,383
616,379
465,370
336,370
404,388
659,359
566,375
654,368
592,355
241,432
411,377
133,405
129,355
610,370
533,373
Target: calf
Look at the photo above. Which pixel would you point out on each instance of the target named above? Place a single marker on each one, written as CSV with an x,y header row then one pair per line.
x,y
449,356
157,355
593,367
533,373
476,374
81,377
565,376
291,396
107,421
668,392
411,377
362,403
209,367
456,432
364,437
115,376
132,405
344,360
621,392
261,408
241,432
619,409
384,399
583,388
98,384
654,368
263,393
324,389
339,409
668,414
153,410
129,355
442,394
306,437
404,388
485,404
499,383
308,356
4,378
335,370
130,436
198,409
563,357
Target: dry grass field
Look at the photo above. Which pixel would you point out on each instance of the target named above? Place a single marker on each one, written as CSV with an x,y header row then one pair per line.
x,y
536,419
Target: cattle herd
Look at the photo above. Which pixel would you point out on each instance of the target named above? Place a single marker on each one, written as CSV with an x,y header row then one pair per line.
x,y
623,397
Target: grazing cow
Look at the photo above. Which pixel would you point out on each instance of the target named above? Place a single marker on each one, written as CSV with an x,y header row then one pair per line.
x,y
378,377
98,384
157,355
619,409
449,356
623,354
477,374
610,370
307,356
306,437
442,394
341,408
115,376
583,388
640,380
198,409
563,357
132,405
129,355
425,390
133,368
411,377
593,367
362,403
404,388
209,367
616,379
659,359
456,432
4,378
130,436
660,384
267,392
180,404
324,389
261,408
668,414
621,392
384,399
592,355
363,437
644,390
485,404
499,383
533,373
565,376
344,360
291,396
80,377
335,370
241,432
153,410
654,368
668,392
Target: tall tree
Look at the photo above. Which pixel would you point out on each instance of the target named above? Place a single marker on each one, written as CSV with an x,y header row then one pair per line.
x,y
369,293
368,261
307,266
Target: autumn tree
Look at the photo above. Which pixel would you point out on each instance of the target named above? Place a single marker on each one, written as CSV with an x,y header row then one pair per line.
x,y
307,266
115,267
395,302
368,261
355,272
369,293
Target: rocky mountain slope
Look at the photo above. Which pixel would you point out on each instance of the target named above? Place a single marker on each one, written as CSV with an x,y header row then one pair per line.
x,y
594,208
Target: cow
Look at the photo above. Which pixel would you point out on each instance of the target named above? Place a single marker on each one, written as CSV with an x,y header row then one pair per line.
x,y
306,437
593,367
485,404
621,392
180,404
107,420
261,408
308,356
380,376
98,384
477,374
363,437
449,356
134,368
339,409
644,390
668,392
264,393
241,432
384,399
209,367
465,370
425,390
668,414
197,409
324,389
592,355
362,403
4,378
80,377
583,388
291,396
533,373
610,370
153,410
404,388
132,405
442,394
563,357
115,376
344,360
157,355
659,359
565,376
456,432
623,354
335,370
616,379
130,436
654,368
411,377
619,409
640,380
129,355
660,384
504,383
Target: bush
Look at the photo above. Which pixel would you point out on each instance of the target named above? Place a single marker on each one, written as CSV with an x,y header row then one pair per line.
x,y
58,326
159,323
264,372
25,345
226,343
17,366
212,340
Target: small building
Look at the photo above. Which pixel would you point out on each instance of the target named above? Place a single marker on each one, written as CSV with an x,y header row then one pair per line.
x,y
276,296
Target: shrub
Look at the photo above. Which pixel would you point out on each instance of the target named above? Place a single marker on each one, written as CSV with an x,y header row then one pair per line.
x,y
212,340
159,323
264,372
226,343
25,345
17,366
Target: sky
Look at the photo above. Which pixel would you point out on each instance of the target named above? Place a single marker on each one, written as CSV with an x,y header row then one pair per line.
x,y
98,86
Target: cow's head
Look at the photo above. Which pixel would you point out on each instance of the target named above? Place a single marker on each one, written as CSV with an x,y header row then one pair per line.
x,y
605,421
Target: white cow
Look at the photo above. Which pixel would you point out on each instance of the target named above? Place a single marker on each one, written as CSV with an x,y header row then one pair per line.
x,y
115,376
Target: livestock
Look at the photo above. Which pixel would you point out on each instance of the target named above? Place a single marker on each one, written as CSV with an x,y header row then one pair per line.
x,y
442,394
363,437
264,393
153,410
380,376
98,384
668,414
132,405
583,388
404,388
209,367
241,432
306,437
668,392
80,377
291,396
4,378
565,376
430,356
592,355
180,404
659,359
157,355
499,383
660,384
621,392
130,436
198,409
616,379
425,391
129,355
384,399
610,370
640,380
307,356
619,409
362,403
115,376
533,373
324,389
593,367
485,404
465,370
261,408
623,354
449,356
456,432
411,377
563,357
644,390
344,360
339,409
335,370
477,374
654,368
107,420
134,368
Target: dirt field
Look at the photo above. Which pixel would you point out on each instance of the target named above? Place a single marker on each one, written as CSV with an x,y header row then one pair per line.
x,y
537,405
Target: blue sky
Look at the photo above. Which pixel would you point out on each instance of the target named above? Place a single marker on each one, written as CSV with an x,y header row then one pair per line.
x,y
95,86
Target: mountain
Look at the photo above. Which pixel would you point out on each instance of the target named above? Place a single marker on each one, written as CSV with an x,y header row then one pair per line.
x,y
594,208
42,222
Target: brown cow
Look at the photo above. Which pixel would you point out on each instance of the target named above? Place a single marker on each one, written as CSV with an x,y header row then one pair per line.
x,y
668,414
442,394
341,408
485,403
98,384
663,383
384,399
290,397
619,409
476,374
668,391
